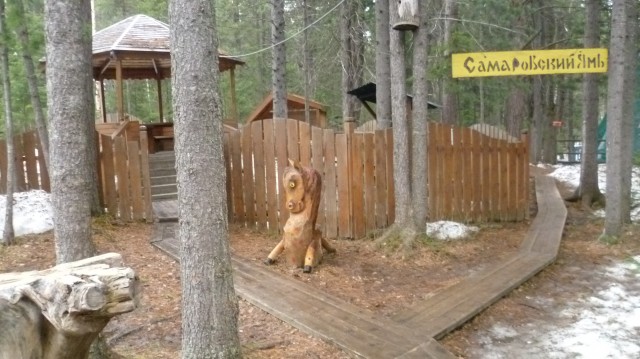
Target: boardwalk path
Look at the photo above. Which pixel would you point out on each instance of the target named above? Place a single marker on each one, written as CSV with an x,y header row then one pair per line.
x,y
410,333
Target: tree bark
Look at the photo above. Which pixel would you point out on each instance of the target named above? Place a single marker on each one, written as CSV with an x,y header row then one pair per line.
x,y
57,313
588,190
279,61
401,131
449,95
351,57
8,235
70,99
208,297
516,111
32,81
619,111
419,120
383,67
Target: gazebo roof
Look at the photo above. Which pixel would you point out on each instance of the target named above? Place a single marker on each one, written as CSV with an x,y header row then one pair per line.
x,y
141,43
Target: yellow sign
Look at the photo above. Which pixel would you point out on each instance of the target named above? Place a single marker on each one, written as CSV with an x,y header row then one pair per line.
x,y
535,62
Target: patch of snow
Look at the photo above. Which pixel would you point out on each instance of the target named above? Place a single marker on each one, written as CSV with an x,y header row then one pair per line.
x,y
570,174
605,324
447,230
32,212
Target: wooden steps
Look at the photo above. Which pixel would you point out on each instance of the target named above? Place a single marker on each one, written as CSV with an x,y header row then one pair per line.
x,y
410,333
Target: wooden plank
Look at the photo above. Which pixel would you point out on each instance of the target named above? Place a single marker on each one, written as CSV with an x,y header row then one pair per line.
x,y
349,327
357,185
236,176
43,171
455,305
109,175
371,196
457,180
545,232
31,163
271,182
486,178
3,166
135,176
331,189
247,177
293,149
343,180
226,150
259,174
447,172
381,179
282,161
146,180
495,179
512,182
21,179
305,143
434,173
317,160
467,173
124,198
391,199
476,176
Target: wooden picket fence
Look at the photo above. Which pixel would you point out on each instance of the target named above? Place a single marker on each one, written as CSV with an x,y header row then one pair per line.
x,y
123,168
31,171
472,176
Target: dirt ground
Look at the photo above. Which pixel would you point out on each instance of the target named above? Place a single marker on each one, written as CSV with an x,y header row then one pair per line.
x,y
361,273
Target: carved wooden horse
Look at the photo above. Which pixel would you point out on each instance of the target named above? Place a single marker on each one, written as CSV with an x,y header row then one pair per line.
x,y
301,242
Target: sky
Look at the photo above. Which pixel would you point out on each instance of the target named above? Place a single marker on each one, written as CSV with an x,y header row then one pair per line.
x,y
602,325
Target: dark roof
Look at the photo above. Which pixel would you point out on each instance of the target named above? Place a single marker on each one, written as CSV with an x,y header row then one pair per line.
x,y
142,44
367,92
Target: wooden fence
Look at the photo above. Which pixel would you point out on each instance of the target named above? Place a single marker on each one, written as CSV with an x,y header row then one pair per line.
x,y
125,189
472,176
31,172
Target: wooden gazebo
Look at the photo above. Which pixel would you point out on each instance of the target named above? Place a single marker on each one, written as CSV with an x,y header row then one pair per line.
x,y
138,48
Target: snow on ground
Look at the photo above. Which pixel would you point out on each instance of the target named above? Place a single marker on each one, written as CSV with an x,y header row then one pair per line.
x,y
32,212
601,325
446,230
570,174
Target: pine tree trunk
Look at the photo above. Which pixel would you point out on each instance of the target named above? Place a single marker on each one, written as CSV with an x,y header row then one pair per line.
x,y
8,236
619,110
279,62
383,67
208,297
32,81
419,121
449,96
401,130
588,190
516,111
351,57
70,99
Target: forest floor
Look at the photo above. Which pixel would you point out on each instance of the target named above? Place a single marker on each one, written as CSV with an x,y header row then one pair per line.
x,y
371,277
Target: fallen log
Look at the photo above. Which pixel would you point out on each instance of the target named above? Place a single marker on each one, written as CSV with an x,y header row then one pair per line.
x,y
58,312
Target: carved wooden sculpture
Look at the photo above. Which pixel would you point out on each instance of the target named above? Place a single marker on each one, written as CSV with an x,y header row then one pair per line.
x,y
301,243
57,313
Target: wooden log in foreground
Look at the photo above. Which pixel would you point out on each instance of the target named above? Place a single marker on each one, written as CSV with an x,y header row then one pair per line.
x,y
58,312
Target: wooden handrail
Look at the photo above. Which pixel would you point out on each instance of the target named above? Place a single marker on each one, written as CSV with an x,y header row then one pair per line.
x,y
120,129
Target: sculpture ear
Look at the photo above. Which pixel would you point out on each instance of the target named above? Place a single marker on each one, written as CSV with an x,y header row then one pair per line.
x,y
295,164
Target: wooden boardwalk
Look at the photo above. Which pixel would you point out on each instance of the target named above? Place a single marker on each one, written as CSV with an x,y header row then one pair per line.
x,y
410,333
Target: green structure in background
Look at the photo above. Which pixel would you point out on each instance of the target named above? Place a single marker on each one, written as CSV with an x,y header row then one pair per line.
x,y
602,127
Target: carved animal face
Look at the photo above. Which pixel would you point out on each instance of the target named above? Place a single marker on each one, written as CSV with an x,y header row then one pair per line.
x,y
294,186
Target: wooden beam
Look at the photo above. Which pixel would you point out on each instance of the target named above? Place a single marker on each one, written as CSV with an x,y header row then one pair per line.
x,y
234,104
160,112
369,109
103,102
119,90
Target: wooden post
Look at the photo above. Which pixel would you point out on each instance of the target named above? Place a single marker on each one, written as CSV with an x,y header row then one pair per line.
x,y
103,102
349,126
160,113
407,19
57,313
119,90
232,88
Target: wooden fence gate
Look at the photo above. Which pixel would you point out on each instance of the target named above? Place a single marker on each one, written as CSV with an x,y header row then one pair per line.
x,y
31,172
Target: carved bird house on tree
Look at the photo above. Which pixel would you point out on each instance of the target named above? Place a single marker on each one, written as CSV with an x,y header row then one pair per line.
x,y
407,19
57,313
302,244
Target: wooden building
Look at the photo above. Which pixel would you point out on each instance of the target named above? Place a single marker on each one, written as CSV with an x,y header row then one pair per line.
x,y
295,110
